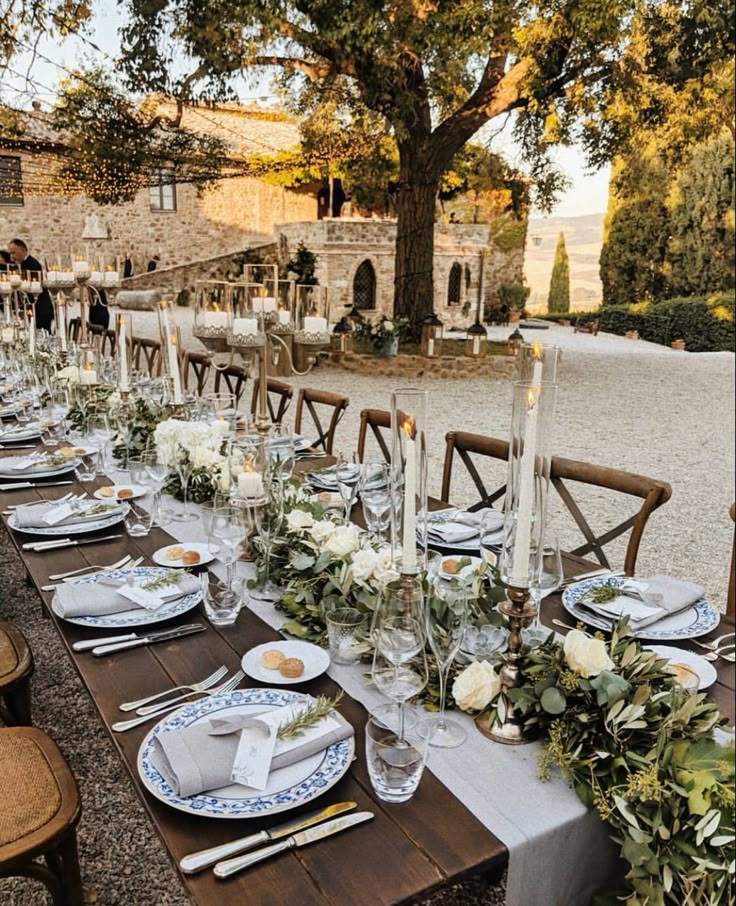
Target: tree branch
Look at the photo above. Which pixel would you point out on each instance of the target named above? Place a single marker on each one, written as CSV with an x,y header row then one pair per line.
x,y
312,69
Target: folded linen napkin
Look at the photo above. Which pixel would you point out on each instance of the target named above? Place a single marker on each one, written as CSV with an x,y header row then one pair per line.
x,y
100,598
462,526
18,430
35,516
201,757
24,463
646,601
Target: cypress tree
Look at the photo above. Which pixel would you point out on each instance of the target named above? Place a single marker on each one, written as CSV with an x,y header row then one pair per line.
x,y
558,301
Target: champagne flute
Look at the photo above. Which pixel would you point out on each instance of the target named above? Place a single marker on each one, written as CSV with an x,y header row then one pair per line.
x,y
347,475
184,470
375,497
446,621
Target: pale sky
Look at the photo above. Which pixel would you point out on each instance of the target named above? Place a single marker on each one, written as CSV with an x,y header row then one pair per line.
x,y
587,195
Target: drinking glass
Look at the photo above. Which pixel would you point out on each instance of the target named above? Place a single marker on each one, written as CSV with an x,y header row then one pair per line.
x,y
491,538
222,603
87,468
395,760
345,630
546,576
229,529
157,470
446,620
375,497
139,472
267,521
102,429
184,470
347,475
281,452
138,521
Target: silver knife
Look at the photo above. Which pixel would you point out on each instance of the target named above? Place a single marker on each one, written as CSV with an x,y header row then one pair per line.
x,y
18,486
102,650
230,866
195,862
65,542
89,644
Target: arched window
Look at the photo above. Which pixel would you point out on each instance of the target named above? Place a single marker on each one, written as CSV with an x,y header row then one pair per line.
x,y
364,287
453,284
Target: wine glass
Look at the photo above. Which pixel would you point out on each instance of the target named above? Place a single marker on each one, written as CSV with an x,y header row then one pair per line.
x,y
281,452
399,682
347,475
184,469
157,470
546,576
268,523
229,528
102,428
446,619
375,497
491,538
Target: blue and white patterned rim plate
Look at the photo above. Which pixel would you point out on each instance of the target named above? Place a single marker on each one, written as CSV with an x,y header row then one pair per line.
x,y
40,473
75,528
138,616
16,435
688,624
287,788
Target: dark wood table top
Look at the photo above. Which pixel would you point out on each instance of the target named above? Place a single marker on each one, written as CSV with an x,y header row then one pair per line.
x,y
404,854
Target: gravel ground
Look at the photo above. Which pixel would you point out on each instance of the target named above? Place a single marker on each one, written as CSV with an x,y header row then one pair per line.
x,y
625,404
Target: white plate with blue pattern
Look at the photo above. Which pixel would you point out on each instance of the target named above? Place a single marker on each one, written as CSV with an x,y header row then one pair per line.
x,y
138,616
288,787
687,624
75,528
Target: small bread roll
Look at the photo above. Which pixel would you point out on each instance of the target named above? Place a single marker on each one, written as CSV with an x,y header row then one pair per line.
x,y
65,450
272,659
190,558
174,553
450,566
107,491
291,667
80,451
124,493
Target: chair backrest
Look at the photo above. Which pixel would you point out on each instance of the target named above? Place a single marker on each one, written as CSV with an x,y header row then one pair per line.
x,y
730,603
309,399
564,472
234,377
108,343
74,329
146,356
279,395
378,421
199,363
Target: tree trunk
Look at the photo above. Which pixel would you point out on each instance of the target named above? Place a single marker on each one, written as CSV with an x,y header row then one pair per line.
x,y
415,208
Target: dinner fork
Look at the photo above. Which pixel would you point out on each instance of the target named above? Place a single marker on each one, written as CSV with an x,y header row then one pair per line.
x,y
194,687
19,506
74,572
198,687
122,725
711,646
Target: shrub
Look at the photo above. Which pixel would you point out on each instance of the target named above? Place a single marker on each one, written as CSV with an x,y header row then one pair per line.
x,y
513,295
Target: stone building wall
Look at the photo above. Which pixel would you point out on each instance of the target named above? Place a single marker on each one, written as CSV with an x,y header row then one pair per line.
x,y
235,214
342,245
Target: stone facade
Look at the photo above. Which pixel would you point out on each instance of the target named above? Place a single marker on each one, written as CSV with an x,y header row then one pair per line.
x,y
415,366
342,245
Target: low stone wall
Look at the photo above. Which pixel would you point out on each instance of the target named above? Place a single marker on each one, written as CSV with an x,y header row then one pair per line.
x,y
415,366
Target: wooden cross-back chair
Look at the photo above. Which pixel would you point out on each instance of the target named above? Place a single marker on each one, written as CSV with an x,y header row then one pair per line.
x,y
378,421
146,355
308,400
198,363
108,340
279,395
563,473
74,329
234,378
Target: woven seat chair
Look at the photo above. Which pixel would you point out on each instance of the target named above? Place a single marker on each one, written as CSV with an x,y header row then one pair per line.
x,y
563,473
730,604
279,396
39,812
16,668
378,421
199,364
146,355
234,377
308,400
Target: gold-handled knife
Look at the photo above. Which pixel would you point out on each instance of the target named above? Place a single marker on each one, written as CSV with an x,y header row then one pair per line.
x,y
195,862
229,867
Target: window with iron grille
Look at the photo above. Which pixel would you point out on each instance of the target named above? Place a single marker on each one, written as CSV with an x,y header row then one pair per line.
x,y
11,181
453,284
364,287
162,194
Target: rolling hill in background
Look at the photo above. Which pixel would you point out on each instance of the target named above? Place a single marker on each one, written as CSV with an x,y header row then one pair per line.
x,y
583,237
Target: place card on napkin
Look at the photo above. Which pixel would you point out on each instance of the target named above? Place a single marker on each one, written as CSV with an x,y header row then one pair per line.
x,y
37,515
200,757
255,751
55,515
646,601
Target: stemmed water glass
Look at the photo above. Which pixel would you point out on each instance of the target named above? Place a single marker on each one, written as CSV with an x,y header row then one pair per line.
x,y
157,470
184,470
446,620
268,521
229,531
546,576
347,476
375,497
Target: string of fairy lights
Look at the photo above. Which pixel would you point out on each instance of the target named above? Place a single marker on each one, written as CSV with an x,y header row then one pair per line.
x,y
54,167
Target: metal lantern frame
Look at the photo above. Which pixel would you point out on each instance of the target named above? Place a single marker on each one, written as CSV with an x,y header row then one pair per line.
x,y
341,341
476,341
514,342
432,337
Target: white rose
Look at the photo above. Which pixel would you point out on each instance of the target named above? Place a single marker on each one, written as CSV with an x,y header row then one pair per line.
x,y
585,655
476,686
384,570
299,519
388,326
364,564
323,530
343,541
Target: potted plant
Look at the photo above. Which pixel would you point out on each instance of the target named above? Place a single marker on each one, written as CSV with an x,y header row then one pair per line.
x,y
383,335
512,297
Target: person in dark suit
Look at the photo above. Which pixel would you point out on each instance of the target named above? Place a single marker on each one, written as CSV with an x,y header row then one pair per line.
x,y
99,313
127,267
28,264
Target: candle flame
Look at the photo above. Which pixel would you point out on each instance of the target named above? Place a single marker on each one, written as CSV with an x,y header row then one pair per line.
x,y
163,303
88,366
408,426
248,464
537,351
215,306
172,339
530,398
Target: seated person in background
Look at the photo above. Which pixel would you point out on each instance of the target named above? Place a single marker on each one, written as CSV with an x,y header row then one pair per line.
x,y
28,264
99,313
5,260
153,263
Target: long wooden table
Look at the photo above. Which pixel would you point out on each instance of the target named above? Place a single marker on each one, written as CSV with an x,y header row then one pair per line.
x,y
404,854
